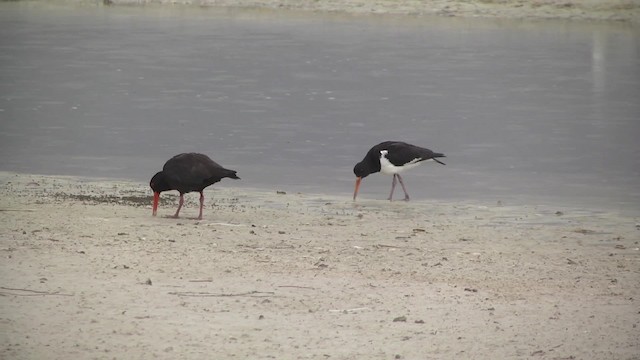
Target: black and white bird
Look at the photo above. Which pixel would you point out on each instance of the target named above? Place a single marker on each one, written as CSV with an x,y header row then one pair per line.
x,y
187,173
391,158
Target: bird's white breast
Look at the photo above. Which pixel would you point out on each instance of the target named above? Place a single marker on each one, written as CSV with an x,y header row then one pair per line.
x,y
386,167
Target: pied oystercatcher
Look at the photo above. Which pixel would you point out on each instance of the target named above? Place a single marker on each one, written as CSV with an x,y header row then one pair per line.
x,y
392,157
186,173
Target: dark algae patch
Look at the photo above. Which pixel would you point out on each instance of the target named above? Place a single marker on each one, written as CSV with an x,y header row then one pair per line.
x,y
129,200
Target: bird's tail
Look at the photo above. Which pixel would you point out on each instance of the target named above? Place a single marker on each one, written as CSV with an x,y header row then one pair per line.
x,y
437,155
231,174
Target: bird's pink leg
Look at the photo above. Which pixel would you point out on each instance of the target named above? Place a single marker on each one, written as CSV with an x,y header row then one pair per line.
x,y
179,206
406,194
393,186
201,205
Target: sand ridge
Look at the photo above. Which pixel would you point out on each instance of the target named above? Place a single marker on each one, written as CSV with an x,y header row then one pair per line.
x,y
590,10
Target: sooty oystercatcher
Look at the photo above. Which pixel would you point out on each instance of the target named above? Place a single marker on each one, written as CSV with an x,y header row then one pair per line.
x,y
187,173
392,157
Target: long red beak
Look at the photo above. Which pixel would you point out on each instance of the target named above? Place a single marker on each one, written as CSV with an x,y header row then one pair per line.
x,y
156,199
355,193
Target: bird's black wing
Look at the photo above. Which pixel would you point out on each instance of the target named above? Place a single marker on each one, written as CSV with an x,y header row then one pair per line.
x,y
191,171
401,153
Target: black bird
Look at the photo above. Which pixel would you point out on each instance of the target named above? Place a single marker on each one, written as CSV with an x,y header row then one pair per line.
x,y
392,157
187,173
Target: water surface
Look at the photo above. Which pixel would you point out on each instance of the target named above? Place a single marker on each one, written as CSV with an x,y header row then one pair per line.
x,y
526,112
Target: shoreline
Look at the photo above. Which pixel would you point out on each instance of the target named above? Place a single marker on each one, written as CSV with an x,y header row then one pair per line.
x,y
368,195
292,275
625,11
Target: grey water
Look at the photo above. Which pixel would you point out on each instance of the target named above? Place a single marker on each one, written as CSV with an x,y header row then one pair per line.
x,y
543,112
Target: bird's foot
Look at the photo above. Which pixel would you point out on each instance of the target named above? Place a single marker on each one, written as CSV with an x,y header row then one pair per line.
x,y
406,198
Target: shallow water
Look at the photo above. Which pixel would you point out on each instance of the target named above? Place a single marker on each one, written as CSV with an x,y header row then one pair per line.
x,y
526,112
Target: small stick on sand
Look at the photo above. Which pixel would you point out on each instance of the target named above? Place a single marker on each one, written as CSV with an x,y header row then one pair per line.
x,y
32,292
207,294
297,287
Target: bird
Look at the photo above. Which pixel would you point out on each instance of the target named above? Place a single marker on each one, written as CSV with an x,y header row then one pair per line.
x,y
187,173
392,157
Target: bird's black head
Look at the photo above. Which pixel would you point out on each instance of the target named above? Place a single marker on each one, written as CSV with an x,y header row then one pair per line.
x,y
361,170
159,183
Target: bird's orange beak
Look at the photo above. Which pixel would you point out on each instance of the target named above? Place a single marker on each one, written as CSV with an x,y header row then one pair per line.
x,y
355,193
156,199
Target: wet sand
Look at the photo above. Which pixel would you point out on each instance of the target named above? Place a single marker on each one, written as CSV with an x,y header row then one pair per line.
x,y
87,272
599,10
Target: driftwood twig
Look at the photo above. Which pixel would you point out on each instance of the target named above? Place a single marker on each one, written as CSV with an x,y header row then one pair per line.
x,y
297,287
396,247
31,292
253,293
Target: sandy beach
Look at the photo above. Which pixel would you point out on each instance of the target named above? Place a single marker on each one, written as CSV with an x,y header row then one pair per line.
x,y
88,273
